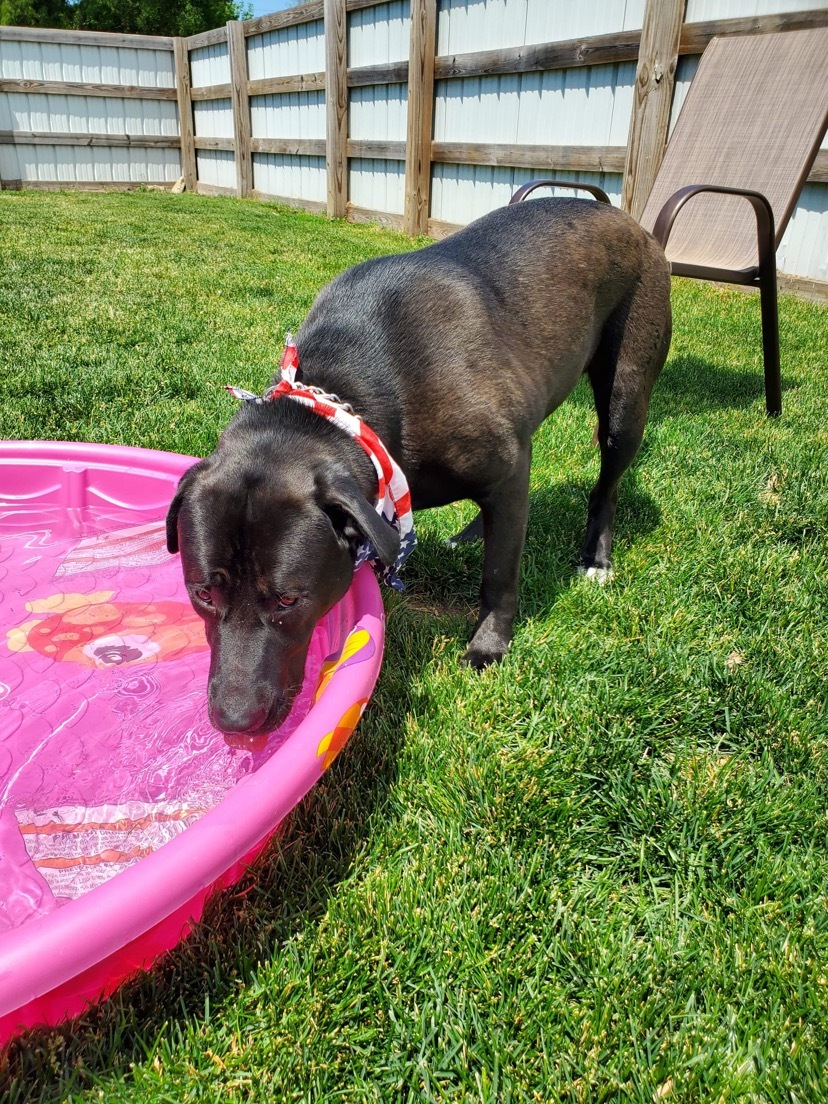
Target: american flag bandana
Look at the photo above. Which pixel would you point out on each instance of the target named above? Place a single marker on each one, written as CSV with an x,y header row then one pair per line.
x,y
393,496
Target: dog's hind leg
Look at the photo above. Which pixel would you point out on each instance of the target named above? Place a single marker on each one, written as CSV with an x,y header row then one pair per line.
x,y
472,532
622,374
504,512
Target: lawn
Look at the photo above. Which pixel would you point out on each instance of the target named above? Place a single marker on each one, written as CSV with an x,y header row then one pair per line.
x,y
597,872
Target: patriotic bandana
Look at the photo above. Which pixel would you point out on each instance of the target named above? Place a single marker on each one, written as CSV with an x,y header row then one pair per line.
x,y
393,497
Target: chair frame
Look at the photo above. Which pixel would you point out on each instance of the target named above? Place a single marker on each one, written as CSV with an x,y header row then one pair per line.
x,y
525,189
762,275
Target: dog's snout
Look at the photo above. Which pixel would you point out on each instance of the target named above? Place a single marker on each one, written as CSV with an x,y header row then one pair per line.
x,y
237,719
239,710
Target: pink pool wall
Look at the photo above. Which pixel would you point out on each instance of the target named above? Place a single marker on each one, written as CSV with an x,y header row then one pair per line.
x,y
104,732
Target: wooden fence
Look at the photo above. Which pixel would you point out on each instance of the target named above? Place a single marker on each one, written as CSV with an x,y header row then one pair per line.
x,y
359,107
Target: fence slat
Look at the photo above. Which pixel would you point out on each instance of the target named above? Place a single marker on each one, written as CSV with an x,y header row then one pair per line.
x,y
336,116
420,116
573,53
387,72
303,82
695,36
73,138
292,17
202,143
377,151
85,38
241,107
212,92
655,78
185,113
207,38
293,147
83,88
524,156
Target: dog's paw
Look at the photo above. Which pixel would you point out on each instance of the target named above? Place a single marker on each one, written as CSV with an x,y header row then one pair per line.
x,y
480,658
485,649
599,575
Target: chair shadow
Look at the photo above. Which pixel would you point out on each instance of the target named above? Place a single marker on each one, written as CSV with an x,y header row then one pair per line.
x,y
692,385
285,891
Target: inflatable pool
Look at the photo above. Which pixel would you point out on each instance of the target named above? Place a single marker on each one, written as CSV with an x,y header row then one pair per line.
x,y
121,808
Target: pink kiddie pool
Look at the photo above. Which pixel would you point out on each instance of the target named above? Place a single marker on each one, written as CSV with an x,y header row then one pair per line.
x,y
121,807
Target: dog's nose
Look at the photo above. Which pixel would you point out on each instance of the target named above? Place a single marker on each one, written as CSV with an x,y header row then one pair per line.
x,y
236,714
237,722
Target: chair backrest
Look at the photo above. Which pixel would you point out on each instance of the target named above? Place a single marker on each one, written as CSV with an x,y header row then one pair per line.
x,y
754,117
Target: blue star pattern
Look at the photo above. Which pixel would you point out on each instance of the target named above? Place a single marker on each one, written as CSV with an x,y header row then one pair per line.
x,y
366,553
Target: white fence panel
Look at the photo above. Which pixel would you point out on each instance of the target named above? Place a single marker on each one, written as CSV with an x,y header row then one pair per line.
x,y
89,164
287,52
377,35
379,112
87,114
461,193
48,61
210,65
49,113
292,177
377,185
288,115
217,168
213,118
467,25
804,247
586,106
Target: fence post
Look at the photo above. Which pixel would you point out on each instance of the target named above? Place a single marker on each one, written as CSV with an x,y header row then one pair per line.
x,y
336,111
241,107
420,116
181,55
655,79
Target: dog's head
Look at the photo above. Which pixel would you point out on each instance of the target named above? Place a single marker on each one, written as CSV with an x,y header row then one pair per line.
x,y
266,551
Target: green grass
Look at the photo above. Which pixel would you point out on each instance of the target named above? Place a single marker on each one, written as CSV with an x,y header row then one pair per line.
x,y
594,873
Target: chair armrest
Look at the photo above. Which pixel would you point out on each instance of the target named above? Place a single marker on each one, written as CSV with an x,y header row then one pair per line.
x,y
761,206
525,189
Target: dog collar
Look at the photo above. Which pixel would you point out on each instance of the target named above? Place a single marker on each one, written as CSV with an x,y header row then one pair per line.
x,y
393,496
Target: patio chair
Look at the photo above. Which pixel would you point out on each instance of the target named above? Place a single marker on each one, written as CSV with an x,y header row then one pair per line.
x,y
739,155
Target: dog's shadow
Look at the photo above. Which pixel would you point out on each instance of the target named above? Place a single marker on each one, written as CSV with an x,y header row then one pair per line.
x,y
289,887
444,582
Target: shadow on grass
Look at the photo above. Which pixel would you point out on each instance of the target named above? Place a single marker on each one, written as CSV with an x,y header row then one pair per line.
x,y
289,888
445,582
283,894
691,385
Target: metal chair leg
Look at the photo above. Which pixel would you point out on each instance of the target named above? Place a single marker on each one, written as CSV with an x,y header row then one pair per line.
x,y
770,332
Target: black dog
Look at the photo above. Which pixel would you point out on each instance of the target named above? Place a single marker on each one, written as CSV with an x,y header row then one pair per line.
x,y
453,355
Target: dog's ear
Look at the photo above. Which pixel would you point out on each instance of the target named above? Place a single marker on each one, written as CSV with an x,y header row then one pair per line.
x,y
353,516
175,506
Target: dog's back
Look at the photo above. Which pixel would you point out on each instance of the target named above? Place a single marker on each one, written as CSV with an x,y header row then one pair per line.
x,y
480,336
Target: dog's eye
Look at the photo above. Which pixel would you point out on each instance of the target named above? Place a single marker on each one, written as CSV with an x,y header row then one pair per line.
x,y
285,601
205,595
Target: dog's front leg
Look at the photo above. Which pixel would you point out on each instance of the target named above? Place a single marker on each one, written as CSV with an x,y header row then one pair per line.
x,y
505,511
